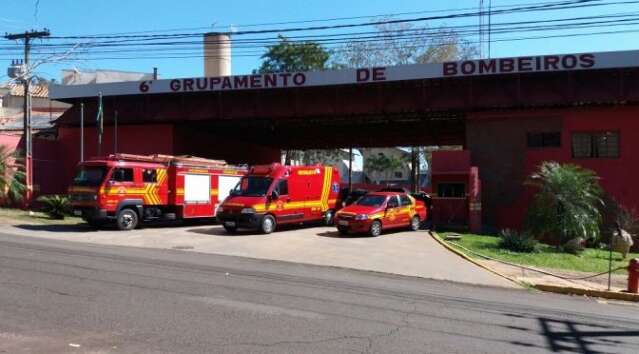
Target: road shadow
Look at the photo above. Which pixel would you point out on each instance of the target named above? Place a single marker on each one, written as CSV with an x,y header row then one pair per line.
x,y
336,234
220,231
57,227
565,336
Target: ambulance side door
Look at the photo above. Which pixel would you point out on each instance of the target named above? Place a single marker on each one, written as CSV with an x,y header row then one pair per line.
x,y
313,195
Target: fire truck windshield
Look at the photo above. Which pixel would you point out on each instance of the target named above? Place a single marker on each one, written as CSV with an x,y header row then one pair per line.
x,y
253,186
91,176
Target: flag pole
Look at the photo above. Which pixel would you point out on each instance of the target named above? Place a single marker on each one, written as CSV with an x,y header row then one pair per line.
x,y
99,123
82,132
115,132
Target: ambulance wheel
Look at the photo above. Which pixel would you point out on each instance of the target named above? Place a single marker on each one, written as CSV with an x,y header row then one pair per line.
x,y
414,223
376,228
328,218
127,219
268,224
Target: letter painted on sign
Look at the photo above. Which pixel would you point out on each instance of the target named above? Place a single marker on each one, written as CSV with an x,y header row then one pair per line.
x,y
449,68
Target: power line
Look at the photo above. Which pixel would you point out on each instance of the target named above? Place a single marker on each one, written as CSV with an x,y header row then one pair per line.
x,y
624,19
504,27
572,35
569,4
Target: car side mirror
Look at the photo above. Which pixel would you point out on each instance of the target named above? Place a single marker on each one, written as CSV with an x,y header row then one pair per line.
x,y
232,192
274,195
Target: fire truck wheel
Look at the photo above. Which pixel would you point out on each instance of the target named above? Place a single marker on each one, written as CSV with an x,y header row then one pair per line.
x,y
376,228
414,223
268,224
328,218
127,219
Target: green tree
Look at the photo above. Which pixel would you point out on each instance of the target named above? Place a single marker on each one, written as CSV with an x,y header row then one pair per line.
x,y
405,43
567,204
288,56
12,177
383,163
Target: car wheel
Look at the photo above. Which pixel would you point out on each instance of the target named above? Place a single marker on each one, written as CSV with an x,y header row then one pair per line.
x,y
376,228
414,223
268,224
127,219
342,230
329,218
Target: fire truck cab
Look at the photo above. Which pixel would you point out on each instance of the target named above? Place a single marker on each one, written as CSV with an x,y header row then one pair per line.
x,y
272,195
130,189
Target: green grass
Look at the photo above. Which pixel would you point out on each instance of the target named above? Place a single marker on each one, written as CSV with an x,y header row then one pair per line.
x,y
19,216
590,261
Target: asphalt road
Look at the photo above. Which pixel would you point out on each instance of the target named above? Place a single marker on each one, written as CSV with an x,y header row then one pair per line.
x,y
64,297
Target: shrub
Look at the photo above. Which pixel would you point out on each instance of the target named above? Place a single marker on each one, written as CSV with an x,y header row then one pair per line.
x,y
566,205
12,177
56,206
517,242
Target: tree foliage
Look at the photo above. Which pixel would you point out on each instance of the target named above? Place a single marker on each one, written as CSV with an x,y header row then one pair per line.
x,y
12,176
287,56
56,206
405,43
567,204
381,163
315,156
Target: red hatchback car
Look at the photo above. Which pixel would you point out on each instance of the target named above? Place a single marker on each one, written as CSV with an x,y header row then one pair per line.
x,y
378,211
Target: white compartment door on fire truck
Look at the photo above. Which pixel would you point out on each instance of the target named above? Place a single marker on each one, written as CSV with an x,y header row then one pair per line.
x,y
197,196
225,184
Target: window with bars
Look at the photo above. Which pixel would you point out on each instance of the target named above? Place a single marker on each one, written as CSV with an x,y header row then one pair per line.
x,y
595,145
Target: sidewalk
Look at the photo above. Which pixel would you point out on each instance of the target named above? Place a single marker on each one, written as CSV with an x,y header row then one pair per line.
x,y
404,253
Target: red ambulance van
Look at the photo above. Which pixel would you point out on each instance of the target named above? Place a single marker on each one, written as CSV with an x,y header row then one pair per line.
x,y
272,195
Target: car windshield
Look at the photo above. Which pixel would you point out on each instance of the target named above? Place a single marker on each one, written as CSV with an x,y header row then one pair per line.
x,y
90,176
371,200
253,186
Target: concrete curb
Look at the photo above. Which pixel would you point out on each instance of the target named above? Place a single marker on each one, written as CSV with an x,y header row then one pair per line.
x,y
437,238
566,290
588,292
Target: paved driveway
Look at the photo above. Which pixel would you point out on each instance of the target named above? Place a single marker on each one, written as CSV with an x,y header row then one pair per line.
x,y
405,253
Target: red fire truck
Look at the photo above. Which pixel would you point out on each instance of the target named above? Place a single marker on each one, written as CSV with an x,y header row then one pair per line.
x,y
130,189
272,195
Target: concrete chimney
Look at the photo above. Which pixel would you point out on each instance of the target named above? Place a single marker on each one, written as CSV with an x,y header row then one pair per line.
x,y
217,54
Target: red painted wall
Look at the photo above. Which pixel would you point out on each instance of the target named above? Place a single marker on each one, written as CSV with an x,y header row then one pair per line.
x,y
617,174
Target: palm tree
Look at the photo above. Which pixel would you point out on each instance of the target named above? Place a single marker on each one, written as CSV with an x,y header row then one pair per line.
x,y
567,205
12,176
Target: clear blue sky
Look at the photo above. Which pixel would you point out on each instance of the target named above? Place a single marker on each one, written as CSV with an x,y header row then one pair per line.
x,y
74,17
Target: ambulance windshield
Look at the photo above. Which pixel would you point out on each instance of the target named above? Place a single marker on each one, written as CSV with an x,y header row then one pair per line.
x,y
253,186
371,200
90,176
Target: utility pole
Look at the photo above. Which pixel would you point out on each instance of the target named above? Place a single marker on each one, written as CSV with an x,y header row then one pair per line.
x,y
26,81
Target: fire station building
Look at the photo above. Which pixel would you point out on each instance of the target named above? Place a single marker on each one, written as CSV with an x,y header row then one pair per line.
x,y
509,114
